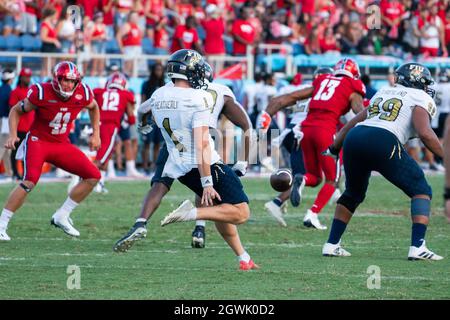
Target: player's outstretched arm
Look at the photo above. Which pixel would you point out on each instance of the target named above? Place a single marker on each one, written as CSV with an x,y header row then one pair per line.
x,y
19,109
203,153
94,115
356,102
421,122
237,115
447,167
340,137
286,100
144,117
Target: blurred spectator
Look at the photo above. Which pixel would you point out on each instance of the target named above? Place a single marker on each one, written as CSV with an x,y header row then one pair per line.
x,y
83,43
65,29
28,21
199,11
391,79
57,5
108,17
215,29
161,37
411,34
351,41
5,92
447,30
391,15
312,43
18,94
186,36
243,33
49,38
129,39
184,8
10,16
123,9
155,81
328,42
279,29
98,43
250,91
154,12
89,6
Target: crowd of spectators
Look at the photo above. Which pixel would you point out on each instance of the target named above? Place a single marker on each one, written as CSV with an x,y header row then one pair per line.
x,y
217,27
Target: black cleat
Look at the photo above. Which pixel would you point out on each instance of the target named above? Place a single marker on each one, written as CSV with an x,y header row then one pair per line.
x,y
198,237
137,232
296,191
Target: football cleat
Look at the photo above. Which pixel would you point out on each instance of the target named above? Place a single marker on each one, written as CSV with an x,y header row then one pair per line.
x,y
311,219
296,191
245,266
334,250
100,188
137,232
276,212
180,214
422,253
66,224
198,237
4,236
284,207
134,173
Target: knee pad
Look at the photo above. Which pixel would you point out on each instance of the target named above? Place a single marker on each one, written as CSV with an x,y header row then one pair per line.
x,y
420,207
349,202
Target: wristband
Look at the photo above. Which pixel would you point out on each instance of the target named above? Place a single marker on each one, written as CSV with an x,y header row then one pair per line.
x,y
446,193
206,181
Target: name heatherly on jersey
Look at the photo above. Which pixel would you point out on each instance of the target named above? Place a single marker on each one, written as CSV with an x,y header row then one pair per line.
x,y
391,108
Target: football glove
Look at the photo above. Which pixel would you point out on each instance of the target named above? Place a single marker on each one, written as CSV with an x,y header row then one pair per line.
x,y
240,168
298,135
263,121
331,152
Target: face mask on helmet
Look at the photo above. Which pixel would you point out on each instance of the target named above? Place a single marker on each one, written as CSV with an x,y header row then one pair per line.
x,y
66,79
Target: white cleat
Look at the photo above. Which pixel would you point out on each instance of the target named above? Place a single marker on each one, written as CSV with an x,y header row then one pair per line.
x,y
276,212
422,253
284,207
180,214
334,250
312,220
100,188
4,236
66,224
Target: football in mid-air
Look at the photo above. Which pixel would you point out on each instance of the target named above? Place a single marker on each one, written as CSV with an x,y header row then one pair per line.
x,y
281,180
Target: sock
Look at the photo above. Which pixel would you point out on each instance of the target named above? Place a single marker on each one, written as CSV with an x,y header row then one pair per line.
x,y
102,179
130,165
66,209
337,229
111,167
244,257
277,201
192,215
323,197
200,223
4,218
141,221
418,234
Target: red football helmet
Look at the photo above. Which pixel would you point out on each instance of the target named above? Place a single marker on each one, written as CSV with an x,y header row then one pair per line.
x,y
65,70
347,67
116,80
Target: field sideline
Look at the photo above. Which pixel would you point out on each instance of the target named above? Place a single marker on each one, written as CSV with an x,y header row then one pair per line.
x,y
164,266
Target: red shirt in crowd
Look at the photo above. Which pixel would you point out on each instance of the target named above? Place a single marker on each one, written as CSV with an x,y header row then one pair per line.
x,y
244,30
447,31
90,6
133,37
156,8
188,37
18,94
185,9
29,8
392,9
108,18
161,39
328,45
308,6
51,33
214,29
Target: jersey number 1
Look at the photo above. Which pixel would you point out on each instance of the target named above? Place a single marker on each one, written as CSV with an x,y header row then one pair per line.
x,y
166,124
59,123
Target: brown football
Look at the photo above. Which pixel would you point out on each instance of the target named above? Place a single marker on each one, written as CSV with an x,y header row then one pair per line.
x,y
281,180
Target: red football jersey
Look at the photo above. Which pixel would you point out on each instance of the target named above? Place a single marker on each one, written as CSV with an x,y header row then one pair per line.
x,y
54,115
331,100
113,104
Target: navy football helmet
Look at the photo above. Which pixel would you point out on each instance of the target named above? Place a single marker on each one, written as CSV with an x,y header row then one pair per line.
x,y
188,65
415,75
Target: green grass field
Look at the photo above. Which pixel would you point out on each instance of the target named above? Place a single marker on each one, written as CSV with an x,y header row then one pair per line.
x,y
164,266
